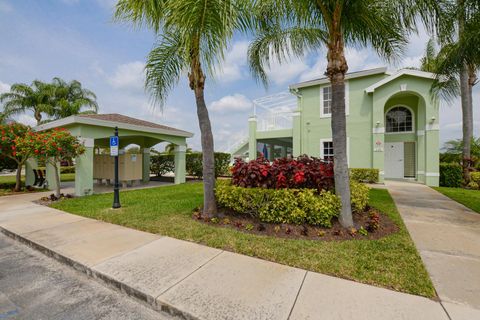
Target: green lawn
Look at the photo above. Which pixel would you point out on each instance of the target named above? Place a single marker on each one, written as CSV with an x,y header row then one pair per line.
x,y
7,183
469,198
391,262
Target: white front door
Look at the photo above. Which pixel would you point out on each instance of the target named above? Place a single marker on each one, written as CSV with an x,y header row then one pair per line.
x,y
394,166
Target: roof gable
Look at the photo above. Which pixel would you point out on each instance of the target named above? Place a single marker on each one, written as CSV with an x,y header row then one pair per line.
x,y
409,72
114,120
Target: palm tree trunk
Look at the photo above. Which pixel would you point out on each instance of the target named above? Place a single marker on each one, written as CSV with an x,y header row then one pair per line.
x,y
466,101
336,70
18,178
197,84
38,116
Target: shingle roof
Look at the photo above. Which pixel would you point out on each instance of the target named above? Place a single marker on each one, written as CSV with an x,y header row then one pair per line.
x,y
115,117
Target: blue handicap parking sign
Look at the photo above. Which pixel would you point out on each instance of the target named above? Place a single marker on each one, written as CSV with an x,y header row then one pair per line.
x,y
113,141
114,146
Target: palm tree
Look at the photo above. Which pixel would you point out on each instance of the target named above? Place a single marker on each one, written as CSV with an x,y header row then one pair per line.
x,y
192,38
291,27
459,58
70,98
37,98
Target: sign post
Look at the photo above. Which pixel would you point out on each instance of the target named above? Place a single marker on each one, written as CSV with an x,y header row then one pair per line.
x,y
114,144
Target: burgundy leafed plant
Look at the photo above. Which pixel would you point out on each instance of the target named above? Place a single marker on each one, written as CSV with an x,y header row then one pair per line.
x,y
299,173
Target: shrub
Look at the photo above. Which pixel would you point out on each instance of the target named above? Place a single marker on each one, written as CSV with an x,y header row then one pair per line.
x,y
162,163
474,180
359,196
195,168
67,169
364,175
296,206
451,175
300,173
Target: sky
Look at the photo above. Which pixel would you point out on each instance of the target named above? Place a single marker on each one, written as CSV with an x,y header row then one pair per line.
x,y
77,39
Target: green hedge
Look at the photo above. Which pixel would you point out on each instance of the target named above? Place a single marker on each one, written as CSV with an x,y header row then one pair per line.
x,y
451,175
364,175
194,164
164,163
296,206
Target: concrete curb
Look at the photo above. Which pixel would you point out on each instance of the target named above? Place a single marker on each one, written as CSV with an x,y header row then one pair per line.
x,y
138,295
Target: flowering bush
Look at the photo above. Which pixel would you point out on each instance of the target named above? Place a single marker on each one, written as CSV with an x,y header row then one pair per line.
x,y
300,173
11,134
52,146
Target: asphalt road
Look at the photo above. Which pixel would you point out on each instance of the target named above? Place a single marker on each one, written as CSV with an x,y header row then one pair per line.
x,y
34,286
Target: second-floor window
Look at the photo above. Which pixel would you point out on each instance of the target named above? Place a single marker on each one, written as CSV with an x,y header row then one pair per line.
x,y
399,119
327,101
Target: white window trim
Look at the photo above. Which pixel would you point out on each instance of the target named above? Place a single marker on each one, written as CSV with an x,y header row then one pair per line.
x,y
331,140
413,119
347,101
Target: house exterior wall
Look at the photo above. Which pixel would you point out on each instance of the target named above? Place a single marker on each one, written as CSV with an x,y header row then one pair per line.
x,y
315,128
366,123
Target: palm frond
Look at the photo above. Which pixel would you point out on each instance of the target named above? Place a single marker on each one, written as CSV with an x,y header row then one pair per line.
x,y
281,45
165,64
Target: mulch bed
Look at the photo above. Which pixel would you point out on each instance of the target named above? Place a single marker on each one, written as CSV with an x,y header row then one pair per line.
x,y
46,201
247,224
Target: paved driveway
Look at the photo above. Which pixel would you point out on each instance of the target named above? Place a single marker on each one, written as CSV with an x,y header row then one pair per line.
x,y
35,287
447,234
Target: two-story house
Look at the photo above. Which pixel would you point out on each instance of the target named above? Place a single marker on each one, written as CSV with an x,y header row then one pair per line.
x,y
392,124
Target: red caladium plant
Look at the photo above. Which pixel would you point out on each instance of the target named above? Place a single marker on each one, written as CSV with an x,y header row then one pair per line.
x,y
10,134
302,172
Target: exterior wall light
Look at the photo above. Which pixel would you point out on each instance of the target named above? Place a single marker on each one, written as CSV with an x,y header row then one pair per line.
x,y
432,120
377,123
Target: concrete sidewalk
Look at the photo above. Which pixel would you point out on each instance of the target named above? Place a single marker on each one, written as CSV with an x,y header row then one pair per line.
x,y
447,235
199,282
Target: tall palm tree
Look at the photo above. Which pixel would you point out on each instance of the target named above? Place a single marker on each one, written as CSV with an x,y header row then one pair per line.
x,y
37,98
447,85
192,38
460,57
291,27
71,98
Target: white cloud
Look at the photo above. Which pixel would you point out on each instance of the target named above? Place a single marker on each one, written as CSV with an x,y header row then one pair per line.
x,y
27,120
286,72
4,87
411,62
232,103
233,67
130,76
5,6
316,71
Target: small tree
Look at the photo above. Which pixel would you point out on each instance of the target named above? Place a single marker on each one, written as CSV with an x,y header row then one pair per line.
x,y
55,146
11,135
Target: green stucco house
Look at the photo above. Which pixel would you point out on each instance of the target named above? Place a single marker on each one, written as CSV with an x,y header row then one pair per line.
x,y
392,124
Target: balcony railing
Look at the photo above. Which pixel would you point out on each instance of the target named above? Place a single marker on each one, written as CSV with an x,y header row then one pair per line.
x,y
275,112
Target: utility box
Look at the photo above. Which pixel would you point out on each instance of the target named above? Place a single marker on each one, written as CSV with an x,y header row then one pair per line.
x,y
129,167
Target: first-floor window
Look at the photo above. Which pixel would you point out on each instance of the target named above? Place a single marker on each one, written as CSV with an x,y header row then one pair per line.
x,y
327,153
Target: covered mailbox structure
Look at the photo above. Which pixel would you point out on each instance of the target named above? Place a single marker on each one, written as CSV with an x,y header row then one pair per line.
x,y
94,131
